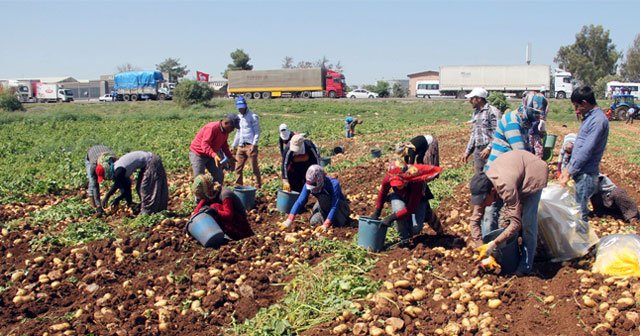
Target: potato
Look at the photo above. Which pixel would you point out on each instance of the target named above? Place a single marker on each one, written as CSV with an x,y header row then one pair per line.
x,y
395,323
419,294
340,329
473,309
375,331
402,284
494,303
60,327
612,315
626,302
16,276
603,306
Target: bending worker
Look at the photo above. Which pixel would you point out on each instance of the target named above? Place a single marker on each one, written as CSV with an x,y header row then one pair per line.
x,y
301,154
90,163
206,146
422,149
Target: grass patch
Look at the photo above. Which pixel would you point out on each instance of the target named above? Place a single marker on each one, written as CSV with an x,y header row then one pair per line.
x,y
444,186
75,234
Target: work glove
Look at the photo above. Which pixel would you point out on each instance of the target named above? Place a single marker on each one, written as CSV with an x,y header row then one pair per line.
x,y
216,158
486,250
376,214
286,224
490,264
285,186
389,219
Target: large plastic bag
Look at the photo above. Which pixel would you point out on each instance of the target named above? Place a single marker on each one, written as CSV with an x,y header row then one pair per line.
x,y
618,255
562,231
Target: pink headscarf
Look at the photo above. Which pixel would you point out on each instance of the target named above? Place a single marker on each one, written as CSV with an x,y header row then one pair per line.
x,y
315,178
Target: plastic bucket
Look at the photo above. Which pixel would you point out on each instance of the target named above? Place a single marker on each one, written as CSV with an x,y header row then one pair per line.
x,y
376,153
338,150
550,140
247,195
371,234
285,200
507,254
325,161
206,230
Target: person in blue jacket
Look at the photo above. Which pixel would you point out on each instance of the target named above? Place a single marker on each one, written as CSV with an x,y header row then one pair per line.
x,y
331,208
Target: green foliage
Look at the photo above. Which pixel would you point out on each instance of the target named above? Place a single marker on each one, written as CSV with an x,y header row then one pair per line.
x,y
190,92
600,88
591,56
76,233
9,102
173,67
398,91
498,100
382,88
631,66
240,61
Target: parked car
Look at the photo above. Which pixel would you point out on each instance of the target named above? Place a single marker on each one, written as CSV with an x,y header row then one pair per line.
x,y
106,97
361,93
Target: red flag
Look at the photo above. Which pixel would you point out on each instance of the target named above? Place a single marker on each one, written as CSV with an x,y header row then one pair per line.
x,y
202,77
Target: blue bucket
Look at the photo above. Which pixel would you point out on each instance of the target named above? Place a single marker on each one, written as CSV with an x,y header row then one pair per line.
x,y
371,234
247,195
325,161
376,153
285,200
206,230
507,254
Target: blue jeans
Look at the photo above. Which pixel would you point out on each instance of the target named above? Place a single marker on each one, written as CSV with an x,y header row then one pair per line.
x,y
413,223
585,188
491,217
529,232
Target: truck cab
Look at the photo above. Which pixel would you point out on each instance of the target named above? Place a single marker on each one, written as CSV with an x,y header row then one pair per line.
x,y
65,95
335,84
563,84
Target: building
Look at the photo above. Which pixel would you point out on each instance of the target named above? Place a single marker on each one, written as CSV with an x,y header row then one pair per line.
x,y
420,76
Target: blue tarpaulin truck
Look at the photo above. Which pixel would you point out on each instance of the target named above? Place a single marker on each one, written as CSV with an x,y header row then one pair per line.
x,y
137,85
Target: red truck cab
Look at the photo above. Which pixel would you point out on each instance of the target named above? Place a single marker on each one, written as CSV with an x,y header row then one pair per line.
x,y
335,85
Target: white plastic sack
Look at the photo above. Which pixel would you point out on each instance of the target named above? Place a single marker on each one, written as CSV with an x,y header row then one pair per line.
x,y
563,232
618,255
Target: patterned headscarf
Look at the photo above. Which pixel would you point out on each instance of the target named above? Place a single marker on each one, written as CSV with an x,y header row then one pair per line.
x,y
104,166
315,178
204,187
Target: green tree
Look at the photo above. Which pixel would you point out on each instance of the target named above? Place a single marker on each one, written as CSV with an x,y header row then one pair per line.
x,y
382,88
398,91
591,57
240,61
631,66
600,88
190,92
173,67
499,100
9,102
288,63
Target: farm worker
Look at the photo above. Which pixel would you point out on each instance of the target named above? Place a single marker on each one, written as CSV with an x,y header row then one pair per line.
x,y
517,177
284,138
409,198
223,205
611,199
301,154
485,119
90,162
631,114
212,137
246,141
584,166
350,125
151,184
565,152
535,101
422,149
331,208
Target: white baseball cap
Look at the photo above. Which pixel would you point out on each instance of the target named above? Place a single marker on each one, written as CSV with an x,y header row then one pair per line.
x,y
478,92
283,127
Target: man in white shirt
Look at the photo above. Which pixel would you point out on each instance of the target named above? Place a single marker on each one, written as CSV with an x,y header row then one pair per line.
x,y
246,141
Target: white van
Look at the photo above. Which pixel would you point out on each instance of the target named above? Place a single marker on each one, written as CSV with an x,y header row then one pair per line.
x,y
427,88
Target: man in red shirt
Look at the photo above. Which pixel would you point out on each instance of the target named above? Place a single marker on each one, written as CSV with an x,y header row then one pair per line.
x,y
204,152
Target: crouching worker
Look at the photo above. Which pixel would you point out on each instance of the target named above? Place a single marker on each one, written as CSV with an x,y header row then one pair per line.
x,y
300,155
331,208
151,184
517,177
223,205
409,199
613,200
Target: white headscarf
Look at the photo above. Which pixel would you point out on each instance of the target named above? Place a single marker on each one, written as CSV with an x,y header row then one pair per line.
x,y
285,133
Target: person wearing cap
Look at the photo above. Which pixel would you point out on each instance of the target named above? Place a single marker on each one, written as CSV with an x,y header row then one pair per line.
x,y
331,208
301,154
350,124
211,138
223,205
151,183
422,149
485,119
246,142
535,101
284,138
90,163
409,198
517,178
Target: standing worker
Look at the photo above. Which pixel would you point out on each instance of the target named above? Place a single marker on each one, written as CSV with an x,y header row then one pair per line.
x,y
212,137
631,114
331,208
485,120
301,154
535,101
284,138
517,177
588,149
246,141
90,163
422,149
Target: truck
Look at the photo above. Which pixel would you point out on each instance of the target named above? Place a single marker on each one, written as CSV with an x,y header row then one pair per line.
x,y
458,80
52,93
138,85
25,90
287,83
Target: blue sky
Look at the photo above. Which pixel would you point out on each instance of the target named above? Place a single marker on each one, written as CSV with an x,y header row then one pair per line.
x,y
372,39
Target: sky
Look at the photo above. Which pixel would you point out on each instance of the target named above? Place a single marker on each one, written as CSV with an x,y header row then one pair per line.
x,y
373,40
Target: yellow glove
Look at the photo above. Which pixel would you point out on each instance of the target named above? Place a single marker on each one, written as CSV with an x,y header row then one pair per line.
x,y
485,250
216,158
286,224
490,264
285,186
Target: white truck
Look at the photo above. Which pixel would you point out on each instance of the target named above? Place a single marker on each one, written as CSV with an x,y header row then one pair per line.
x,y
52,93
458,80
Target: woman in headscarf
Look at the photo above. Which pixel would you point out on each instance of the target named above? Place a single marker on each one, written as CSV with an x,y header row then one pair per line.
x,y
422,149
409,198
285,137
301,154
151,184
613,200
331,208
223,205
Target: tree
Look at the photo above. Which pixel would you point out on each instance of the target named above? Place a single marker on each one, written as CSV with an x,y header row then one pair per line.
x,y
287,62
240,62
381,88
398,91
600,88
173,67
499,100
9,101
125,67
190,92
591,57
631,66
